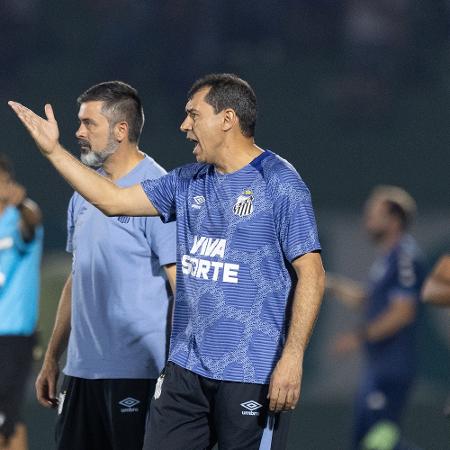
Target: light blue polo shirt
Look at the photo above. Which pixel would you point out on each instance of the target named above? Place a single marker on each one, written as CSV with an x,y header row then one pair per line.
x,y
119,292
19,276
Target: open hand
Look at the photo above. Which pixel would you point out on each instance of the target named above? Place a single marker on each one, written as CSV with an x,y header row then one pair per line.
x,y
44,132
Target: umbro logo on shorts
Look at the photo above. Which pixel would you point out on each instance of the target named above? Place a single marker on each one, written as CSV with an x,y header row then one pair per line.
x,y
129,404
251,408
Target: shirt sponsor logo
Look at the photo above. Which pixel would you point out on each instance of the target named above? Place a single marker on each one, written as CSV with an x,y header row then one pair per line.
x,y
199,201
251,408
206,269
129,404
244,204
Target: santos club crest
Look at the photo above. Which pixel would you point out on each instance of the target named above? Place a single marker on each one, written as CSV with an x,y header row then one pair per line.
x,y
244,204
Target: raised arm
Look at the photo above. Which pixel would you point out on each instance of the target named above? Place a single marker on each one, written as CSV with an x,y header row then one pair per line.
x,y
102,193
30,214
31,217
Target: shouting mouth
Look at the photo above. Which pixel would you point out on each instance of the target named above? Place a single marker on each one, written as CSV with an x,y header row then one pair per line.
x,y
196,144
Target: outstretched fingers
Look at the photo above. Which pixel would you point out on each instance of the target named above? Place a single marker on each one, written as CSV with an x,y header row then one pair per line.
x,y
44,131
49,113
26,116
19,109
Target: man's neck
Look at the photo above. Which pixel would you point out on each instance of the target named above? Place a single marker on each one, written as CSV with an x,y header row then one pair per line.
x,y
390,241
125,159
237,155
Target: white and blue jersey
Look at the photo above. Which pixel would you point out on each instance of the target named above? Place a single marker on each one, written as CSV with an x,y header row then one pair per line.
x,y
396,276
119,288
236,237
19,276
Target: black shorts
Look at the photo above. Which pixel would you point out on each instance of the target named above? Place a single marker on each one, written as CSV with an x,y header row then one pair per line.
x,y
16,355
107,414
191,412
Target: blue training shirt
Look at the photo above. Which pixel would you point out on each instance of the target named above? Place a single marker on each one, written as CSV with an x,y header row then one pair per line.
x,y
237,234
19,276
395,276
119,293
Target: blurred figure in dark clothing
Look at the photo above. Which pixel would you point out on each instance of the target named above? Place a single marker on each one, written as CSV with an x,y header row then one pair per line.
x,y
387,334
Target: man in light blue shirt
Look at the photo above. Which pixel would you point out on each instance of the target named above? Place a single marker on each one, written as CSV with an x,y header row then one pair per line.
x,y
21,237
114,308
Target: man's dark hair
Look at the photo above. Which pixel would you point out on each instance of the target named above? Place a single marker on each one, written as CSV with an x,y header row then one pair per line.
x,y
120,103
6,165
229,91
398,211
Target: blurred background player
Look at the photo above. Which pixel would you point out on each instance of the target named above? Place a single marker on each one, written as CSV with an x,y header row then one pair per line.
x,y
388,329
21,236
114,305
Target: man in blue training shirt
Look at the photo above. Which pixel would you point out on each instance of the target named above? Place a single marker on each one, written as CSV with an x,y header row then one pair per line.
x,y
249,273
114,307
21,236
390,302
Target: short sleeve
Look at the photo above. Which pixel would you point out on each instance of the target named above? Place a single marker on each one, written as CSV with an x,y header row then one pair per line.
x,y
162,193
70,224
294,217
162,239
407,278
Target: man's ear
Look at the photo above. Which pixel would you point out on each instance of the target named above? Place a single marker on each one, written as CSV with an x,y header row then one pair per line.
x,y
230,119
121,131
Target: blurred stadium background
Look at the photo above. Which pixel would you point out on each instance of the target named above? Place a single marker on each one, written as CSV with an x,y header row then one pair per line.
x,y
353,92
